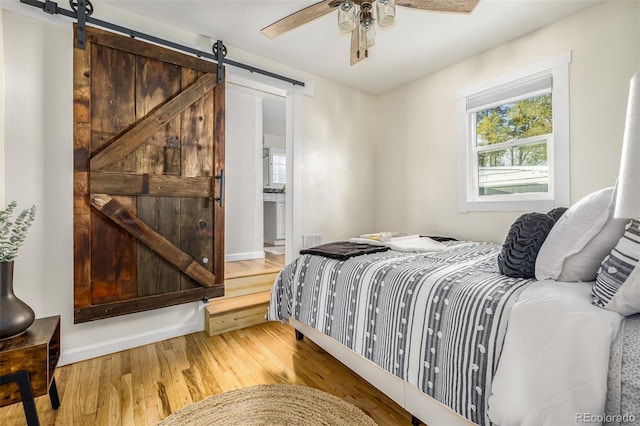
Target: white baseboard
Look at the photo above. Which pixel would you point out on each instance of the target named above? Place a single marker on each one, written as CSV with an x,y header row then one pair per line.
x,y
128,342
233,257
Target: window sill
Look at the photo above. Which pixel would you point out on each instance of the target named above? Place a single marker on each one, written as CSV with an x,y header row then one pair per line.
x,y
541,206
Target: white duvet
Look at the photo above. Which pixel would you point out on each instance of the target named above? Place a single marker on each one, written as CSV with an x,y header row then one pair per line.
x,y
554,363
417,245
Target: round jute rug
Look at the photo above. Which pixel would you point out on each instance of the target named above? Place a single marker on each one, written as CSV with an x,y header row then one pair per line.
x,y
270,405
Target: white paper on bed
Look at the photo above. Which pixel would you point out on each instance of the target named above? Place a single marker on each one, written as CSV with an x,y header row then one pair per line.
x,y
555,358
419,244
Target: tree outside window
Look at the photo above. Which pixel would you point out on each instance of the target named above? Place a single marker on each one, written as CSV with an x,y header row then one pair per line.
x,y
511,143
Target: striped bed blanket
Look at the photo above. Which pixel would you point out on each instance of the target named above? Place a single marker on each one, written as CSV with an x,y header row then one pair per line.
x,y
435,320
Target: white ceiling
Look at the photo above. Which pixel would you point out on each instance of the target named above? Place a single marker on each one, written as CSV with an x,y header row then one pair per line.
x,y
417,44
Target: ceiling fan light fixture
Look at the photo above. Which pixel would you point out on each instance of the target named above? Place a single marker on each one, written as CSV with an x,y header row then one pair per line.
x,y
358,17
386,10
367,29
367,35
346,16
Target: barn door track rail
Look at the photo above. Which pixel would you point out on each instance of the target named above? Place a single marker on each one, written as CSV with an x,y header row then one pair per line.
x,y
81,10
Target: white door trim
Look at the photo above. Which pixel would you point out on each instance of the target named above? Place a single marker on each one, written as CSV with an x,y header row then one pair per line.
x,y
293,95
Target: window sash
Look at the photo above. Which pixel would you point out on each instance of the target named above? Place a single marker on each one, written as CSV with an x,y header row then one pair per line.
x,y
531,140
474,189
523,88
279,168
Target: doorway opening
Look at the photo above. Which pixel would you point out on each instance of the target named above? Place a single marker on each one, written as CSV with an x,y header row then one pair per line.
x,y
274,175
256,180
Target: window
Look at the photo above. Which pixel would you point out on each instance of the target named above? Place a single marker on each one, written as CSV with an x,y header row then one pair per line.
x,y
514,140
279,168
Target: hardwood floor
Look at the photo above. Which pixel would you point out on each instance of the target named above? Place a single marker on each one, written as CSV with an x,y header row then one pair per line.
x,y
242,268
145,384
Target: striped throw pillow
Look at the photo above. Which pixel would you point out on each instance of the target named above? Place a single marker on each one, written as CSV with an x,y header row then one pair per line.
x,y
617,268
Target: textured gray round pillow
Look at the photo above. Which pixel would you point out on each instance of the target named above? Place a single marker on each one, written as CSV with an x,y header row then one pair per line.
x,y
518,255
556,213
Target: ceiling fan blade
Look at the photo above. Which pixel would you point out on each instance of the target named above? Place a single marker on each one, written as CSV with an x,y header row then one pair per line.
x,y
355,45
452,6
300,17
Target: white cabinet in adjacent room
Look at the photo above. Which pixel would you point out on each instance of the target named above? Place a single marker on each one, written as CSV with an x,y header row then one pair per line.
x,y
281,212
274,218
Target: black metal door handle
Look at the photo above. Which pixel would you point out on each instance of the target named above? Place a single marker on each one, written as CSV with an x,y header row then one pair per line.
x,y
220,198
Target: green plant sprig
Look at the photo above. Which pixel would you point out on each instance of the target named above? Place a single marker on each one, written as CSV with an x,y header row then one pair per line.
x,y
12,234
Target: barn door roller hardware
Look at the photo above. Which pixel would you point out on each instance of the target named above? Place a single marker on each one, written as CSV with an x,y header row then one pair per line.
x,y
220,51
83,9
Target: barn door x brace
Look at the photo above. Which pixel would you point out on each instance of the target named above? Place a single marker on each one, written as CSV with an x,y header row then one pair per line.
x,y
81,10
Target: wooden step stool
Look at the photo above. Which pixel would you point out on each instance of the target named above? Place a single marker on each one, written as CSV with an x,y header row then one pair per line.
x,y
233,313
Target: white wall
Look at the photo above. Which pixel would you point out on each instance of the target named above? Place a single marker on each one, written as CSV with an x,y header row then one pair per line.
x,y
275,141
243,173
337,201
1,114
337,125
39,165
416,153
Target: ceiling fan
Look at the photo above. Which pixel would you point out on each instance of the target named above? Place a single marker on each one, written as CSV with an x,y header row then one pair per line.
x,y
357,17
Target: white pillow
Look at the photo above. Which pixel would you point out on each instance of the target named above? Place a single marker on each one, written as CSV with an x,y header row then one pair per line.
x,y
420,245
580,239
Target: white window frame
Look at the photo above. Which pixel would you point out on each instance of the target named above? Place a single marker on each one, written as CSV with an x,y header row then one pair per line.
x,y
280,153
558,194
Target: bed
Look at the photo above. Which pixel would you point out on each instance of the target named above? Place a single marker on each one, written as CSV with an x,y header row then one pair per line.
x,y
454,341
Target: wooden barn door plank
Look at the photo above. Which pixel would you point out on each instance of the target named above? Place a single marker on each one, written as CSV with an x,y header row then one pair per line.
x,y
111,208
196,215
150,124
152,185
81,155
111,309
142,48
148,144
113,271
159,154
218,161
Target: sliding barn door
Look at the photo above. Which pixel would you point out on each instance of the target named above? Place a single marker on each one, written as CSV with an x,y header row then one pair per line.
x,y
148,177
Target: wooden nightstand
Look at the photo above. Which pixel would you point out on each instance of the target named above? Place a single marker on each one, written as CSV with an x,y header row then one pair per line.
x,y
27,363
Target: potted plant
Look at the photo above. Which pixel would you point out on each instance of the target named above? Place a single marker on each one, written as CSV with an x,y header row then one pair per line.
x,y
15,315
